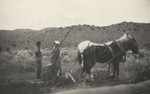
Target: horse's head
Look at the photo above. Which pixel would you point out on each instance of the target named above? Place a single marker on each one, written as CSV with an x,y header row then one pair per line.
x,y
133,45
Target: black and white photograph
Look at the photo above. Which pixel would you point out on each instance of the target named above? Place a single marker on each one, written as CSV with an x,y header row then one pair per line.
x,y
74,46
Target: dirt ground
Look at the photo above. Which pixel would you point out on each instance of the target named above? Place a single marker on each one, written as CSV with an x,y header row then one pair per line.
x,y
16,83
19,76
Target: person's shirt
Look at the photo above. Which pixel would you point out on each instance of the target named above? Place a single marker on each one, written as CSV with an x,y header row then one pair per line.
x,y
38,54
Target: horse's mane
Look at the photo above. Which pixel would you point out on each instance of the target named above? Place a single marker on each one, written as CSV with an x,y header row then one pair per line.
x,y
125,37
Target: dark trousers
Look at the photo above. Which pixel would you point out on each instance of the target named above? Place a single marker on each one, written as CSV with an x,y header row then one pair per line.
x,y
39,68
57,67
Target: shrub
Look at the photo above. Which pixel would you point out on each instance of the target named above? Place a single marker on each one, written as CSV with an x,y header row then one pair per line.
x,y
138,68
7,49
66,59
63,53
20,61
0,49
26,48
92,28
14,45
124,30
134,29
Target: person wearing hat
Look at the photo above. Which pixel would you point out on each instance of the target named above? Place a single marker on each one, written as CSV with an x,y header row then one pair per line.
x,y
55,60
38,56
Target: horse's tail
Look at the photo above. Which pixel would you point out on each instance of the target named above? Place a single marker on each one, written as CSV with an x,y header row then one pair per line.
x,y
79,57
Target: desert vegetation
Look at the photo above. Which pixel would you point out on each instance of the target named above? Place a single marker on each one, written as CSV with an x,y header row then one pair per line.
x,y
20,38
18,67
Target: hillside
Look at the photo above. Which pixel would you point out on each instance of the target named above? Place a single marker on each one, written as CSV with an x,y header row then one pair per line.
x,y
18,66
26,38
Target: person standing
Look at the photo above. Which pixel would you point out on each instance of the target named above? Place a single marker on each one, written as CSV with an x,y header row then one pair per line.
x,y
38,56
55,59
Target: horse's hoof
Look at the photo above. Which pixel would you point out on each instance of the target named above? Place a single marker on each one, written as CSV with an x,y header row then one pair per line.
x,y
89,80
110,77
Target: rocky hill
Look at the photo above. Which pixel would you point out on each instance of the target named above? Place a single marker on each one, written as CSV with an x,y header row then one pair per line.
x,y
26,38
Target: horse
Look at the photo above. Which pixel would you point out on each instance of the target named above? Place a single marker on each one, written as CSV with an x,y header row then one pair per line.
x,y
111,52
81,47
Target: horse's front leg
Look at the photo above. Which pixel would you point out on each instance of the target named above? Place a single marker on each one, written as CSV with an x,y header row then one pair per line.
x,y
114,69
114,72
117,67
110,71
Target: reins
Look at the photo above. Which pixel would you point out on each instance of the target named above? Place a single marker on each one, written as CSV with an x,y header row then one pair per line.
x,y
114,56
122,51
110,60
110,49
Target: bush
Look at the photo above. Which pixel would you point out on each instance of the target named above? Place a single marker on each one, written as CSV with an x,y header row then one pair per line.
x,y
92,28
66,59
20,61
63,53
7,49
137,68
0,49
24,60
14,45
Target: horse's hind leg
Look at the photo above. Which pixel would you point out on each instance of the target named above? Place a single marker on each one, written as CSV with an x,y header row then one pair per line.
x,y
88,71
89,76
83,71
108,71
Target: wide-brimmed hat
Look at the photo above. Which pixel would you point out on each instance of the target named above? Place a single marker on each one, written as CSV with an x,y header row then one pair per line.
x,y
56,42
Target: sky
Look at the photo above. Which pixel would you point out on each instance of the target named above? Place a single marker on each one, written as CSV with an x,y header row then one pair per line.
x,y
39,14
